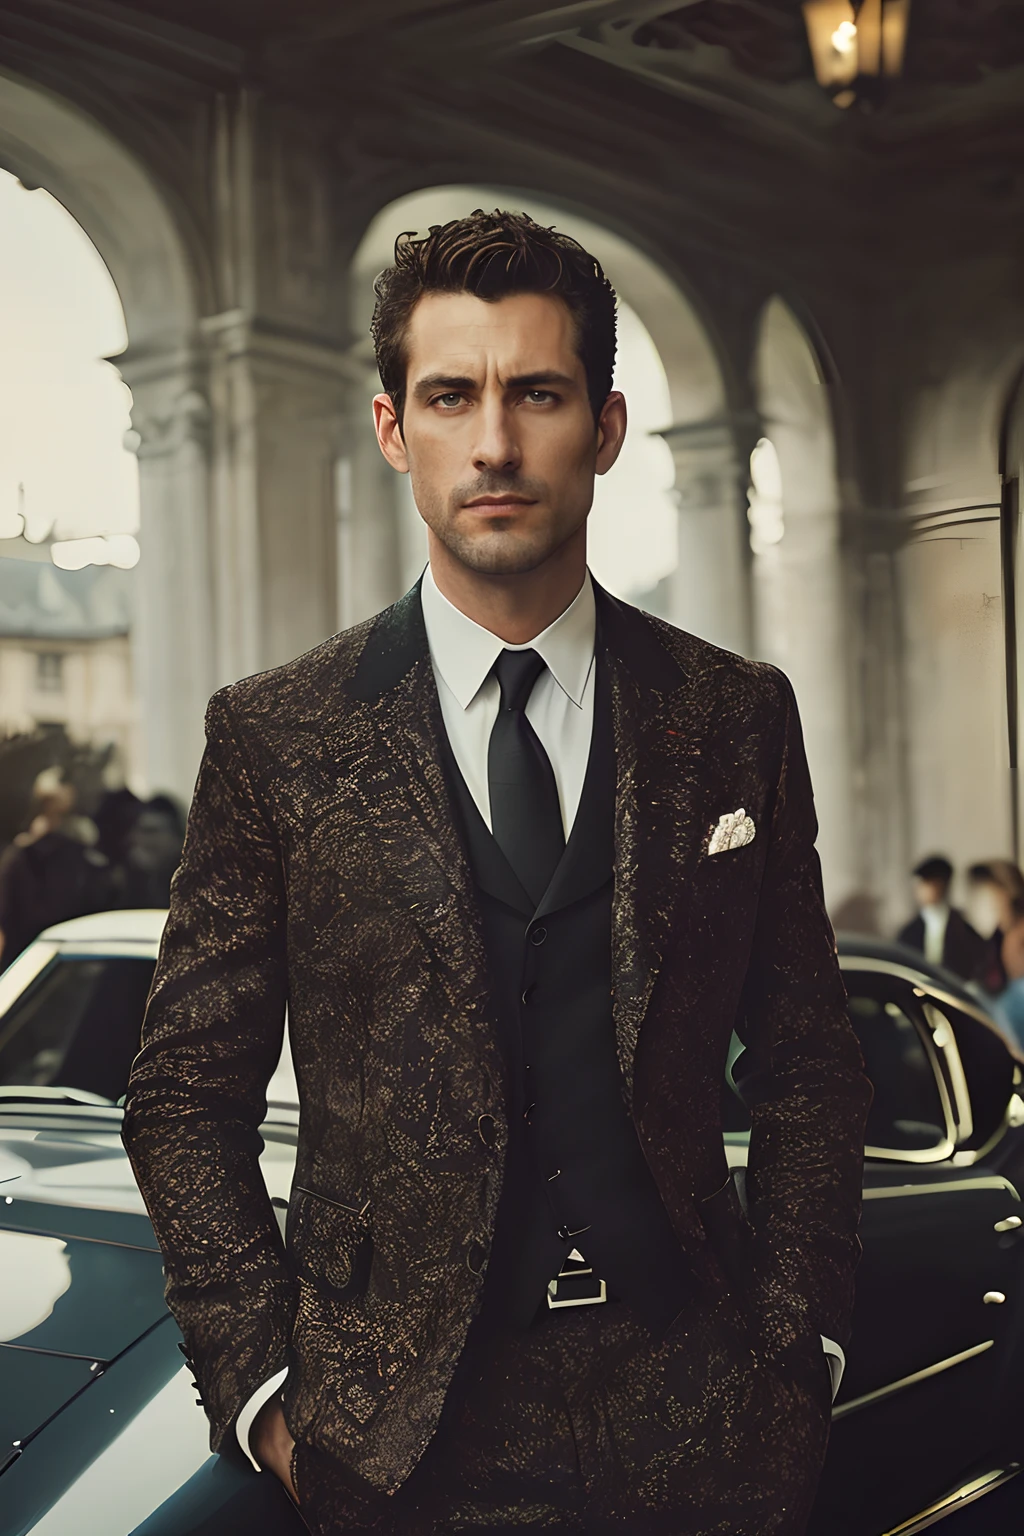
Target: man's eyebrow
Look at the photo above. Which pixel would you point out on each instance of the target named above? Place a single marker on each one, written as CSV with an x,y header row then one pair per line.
x,y
442,381
534,380
461,382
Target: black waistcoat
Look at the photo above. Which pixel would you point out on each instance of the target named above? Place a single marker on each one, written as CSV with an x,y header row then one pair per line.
x,y
575,1174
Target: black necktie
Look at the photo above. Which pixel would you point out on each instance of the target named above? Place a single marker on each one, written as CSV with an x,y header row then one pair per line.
x,y
526,818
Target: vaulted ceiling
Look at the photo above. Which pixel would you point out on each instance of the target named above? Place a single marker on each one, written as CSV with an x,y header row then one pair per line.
x,y
709,109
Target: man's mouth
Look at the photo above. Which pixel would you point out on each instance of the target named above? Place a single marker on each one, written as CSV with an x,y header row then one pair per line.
x,y
508,500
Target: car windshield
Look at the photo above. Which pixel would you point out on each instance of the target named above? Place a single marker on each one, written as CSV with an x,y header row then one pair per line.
x,y
76,1026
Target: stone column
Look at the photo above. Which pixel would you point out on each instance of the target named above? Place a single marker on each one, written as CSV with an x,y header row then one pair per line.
x,y
709,591
239,452
800,626
280,406
880,838
173,650
371,521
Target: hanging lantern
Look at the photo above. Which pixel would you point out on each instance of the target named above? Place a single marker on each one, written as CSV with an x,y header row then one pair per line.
x,y
856,46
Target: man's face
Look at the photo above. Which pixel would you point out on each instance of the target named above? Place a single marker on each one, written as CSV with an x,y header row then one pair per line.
x,y
497,433
929,893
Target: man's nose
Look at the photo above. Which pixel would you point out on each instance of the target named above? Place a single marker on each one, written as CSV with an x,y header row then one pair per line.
x,y
496,446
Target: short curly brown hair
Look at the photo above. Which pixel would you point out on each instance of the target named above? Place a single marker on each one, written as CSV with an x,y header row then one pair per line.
x,y
492,255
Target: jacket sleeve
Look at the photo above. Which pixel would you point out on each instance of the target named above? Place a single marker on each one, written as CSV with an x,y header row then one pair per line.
x,y
197,1094
803,1079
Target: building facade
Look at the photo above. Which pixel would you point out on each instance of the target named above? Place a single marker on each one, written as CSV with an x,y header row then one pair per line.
x,y
65,658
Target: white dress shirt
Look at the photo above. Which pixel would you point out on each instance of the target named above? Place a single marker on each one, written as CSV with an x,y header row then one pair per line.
x,y
936,921
560,709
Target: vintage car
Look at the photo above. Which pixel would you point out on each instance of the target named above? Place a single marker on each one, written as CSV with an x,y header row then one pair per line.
x,y
100,1433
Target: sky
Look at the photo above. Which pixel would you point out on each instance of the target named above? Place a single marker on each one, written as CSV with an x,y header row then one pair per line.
x,y
63,410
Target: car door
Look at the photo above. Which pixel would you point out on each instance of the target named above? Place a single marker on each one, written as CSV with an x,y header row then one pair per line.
x,y
922,1401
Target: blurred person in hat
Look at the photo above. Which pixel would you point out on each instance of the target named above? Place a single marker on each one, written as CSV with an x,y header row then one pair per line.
x,y
940,932
50,872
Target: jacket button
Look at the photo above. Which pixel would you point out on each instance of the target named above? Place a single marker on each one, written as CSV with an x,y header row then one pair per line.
x,y
487,1130
475,1258
538,936
528,1112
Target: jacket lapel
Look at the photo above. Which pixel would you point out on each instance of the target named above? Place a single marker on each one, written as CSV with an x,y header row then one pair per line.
x,y
658,830
420,846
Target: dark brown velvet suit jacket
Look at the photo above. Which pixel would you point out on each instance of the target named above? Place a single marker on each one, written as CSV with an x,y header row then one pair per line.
x,y
323,869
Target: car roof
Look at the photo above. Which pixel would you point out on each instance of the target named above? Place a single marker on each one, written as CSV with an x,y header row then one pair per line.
x,y
133,925
867,947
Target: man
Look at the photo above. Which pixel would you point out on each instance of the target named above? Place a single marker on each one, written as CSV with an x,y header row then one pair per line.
x,y
520,858
47,875
939,932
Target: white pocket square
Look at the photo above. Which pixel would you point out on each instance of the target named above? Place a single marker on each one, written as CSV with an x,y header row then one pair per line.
x,y
735,830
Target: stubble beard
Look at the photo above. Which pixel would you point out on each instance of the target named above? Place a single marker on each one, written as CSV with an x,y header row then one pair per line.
x,y
499,551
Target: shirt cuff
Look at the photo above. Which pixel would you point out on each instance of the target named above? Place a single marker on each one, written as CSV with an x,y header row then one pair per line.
x,y
836,1362
243,1423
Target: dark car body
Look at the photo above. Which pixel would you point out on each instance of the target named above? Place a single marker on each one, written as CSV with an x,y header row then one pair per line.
x,y
98,1420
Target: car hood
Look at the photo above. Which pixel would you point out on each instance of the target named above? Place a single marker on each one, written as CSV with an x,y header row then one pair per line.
x,y
83,1278
82,1273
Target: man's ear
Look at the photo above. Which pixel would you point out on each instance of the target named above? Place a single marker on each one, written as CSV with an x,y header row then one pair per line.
x,y
611,431
389,433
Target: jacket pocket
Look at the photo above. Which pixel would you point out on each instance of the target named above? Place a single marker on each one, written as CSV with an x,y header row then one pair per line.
x,y
331,1242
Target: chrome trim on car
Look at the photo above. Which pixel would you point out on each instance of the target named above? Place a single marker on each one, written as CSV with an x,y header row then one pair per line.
x,y
943,1187
909,1381
945,1038
950,1503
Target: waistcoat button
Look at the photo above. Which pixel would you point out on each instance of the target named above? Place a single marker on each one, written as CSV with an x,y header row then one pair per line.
x,y
487,1130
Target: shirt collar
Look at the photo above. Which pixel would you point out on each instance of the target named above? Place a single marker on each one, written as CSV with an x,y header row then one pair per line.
x,y
464,652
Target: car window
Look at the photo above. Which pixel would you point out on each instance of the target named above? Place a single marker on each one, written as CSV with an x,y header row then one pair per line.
x,y
988,1068
77,1025
907,1113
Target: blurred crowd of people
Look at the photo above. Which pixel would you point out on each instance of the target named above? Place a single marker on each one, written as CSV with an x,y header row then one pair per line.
x,y
66,864
985,946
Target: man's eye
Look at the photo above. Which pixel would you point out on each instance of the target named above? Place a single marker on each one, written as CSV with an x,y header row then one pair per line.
x,y
539,396
450,400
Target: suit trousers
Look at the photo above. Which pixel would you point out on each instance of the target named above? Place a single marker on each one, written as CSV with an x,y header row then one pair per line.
x,y
586,1423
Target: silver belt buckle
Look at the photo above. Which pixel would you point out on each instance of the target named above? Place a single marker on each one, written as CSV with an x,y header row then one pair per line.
x,y
575,1285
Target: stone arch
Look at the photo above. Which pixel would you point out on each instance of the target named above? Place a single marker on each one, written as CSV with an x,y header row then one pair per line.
x,y
797,576
707,592
46,141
